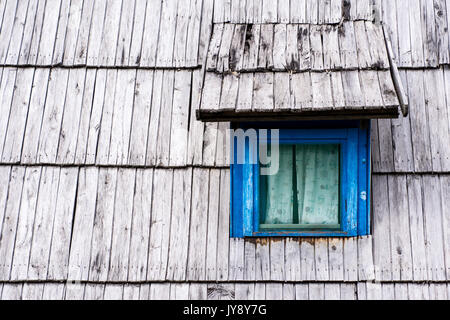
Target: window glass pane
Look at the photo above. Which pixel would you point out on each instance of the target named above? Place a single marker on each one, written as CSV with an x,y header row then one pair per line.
x,y
304,193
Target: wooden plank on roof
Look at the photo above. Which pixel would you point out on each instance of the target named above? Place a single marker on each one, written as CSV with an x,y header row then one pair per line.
x,y
138,22
301,291
163,137
178,244
196,267
105,121
160,224
35,115
71,117
12,56
303,45
312,11
24,229
332,291
362,45
315,39
365,259
150,158
12,147
292,58
53,113
151,33
88,153
401,131
336,259
113,292
282,97
209,144
244,291
7,28
141,117
283,12
122,117
442,34
331,56
245,94
131,292
181,33
214,46
223,226
321,90
265,57
263,91
277,259
49,29
280,46
125,33
6,94
316,291
196,128
347,45
164,55
62,224
95,33
103,225
292,260
434,245
80,252
140,228
30,53
431,48
12,291
159,291
257,11
301,91
39,254
58,51
445,195
197,31
350,254
10,218
73,27
250,260
415,15
438,117
108,46
236,259
354,96
321,259
251,46
237,48
82,41
298,11
85,116
416,225
400,230
371,89
381,223
121,233
32,291
53,291
307,260
274,291
269,11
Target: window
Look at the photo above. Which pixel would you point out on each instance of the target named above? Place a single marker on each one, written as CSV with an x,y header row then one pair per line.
x,y
314,180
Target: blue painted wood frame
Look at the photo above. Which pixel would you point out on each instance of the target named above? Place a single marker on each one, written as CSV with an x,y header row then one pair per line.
x,y
355,184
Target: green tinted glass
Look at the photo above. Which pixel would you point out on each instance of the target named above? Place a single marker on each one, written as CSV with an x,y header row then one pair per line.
x,y
304,193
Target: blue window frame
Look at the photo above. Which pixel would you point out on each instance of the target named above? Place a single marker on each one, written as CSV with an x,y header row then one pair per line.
x,y
353,138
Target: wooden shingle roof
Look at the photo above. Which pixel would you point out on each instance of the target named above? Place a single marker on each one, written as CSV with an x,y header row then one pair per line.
x,y
289,71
